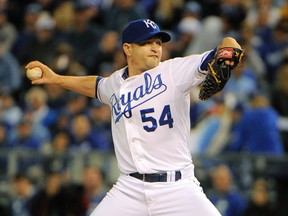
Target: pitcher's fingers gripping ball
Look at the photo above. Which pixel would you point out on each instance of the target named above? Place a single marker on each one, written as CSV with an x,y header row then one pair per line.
x,y
34,73
219,70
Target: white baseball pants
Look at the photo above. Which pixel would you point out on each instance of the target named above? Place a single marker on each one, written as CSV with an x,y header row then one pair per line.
x,y
133,197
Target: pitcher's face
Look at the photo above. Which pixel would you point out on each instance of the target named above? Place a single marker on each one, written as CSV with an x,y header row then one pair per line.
x,y
146,54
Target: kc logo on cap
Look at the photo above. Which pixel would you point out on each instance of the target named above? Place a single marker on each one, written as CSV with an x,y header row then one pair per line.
x,y
141,30
150,23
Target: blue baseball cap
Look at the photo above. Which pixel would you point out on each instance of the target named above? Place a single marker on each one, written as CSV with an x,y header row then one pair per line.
x,y
141,30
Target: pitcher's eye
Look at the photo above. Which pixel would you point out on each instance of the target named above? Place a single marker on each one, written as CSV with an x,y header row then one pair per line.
x,y
159,42
143,43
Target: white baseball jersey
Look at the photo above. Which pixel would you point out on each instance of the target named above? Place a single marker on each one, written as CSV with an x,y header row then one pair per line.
x,y
150,114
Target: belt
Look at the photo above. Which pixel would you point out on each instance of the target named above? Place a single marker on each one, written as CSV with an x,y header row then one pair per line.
x,y
157,177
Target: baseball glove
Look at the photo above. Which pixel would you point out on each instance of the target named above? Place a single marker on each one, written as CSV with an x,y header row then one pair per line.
x,y
219,72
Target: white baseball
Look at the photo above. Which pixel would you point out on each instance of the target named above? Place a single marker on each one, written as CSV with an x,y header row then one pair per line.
x,y
34,73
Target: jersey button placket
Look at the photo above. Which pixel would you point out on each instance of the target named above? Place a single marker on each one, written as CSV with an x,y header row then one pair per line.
x,y
130,127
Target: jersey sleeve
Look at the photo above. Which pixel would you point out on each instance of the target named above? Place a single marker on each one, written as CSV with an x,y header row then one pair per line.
x,y
101,92
108,86
189,71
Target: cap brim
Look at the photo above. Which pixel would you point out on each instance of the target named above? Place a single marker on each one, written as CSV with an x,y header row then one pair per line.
x,y
165,37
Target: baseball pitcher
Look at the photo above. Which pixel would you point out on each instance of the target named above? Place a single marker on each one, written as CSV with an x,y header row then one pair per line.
x,y
149,102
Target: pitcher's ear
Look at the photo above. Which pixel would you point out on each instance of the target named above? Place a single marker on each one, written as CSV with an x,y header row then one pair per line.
x,y
127,49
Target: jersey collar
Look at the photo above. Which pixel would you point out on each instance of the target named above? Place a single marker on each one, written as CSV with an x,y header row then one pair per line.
x,y
125,74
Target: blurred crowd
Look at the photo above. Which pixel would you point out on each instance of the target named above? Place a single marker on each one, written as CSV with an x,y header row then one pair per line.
x,y
82,37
